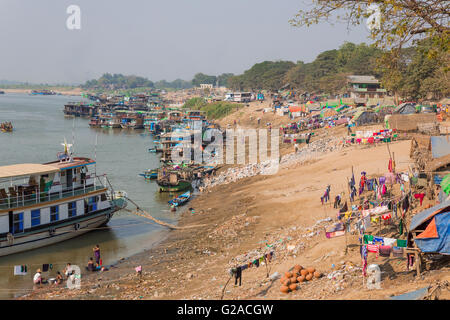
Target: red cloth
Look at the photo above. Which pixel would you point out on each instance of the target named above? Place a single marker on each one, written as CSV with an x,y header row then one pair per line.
x,y
419,196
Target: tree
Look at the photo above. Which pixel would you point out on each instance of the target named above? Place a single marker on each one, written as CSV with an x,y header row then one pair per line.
x,y
201,78
393,22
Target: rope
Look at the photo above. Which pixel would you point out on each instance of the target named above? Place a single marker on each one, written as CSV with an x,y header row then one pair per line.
x,y
142,213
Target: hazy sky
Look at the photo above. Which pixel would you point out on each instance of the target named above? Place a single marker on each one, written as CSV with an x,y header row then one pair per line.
x,y
158,39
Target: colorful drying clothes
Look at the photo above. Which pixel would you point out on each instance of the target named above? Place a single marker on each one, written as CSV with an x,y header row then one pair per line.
x,y
401,243
419,196
378,240
20,270
385,251
373,248
397,252
368,239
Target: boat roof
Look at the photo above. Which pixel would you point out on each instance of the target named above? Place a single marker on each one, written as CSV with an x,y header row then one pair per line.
x,y
65,165
26,169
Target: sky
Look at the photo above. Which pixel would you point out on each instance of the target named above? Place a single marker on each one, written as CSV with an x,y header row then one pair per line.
x,y
157,39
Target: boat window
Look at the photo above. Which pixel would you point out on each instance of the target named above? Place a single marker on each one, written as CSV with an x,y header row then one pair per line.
x,y
54,213
72,209
63,173
35,217
18,222
103,197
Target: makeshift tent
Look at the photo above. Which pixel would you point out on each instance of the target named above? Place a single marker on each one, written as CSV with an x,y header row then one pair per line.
x,y
435,222
440,146
364,117
405,108
325,113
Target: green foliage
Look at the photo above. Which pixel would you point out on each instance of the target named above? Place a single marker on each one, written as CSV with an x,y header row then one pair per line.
x,y
265,75
416,72
214,110
220,109
195,103
117,81
327,73
201,78
176,84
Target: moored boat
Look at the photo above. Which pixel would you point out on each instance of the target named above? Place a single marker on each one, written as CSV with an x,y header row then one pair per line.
x,y
180,200
43,204
181,185
150,174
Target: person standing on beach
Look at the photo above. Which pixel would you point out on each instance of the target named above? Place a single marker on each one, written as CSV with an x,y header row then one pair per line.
x,y
96,250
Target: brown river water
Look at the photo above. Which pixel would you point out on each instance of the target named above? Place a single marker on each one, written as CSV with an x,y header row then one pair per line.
x,y
39,129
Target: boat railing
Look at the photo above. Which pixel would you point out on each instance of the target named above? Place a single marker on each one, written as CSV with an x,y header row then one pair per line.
x,y
36,197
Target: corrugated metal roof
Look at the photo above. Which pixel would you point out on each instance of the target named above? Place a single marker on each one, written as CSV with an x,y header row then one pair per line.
x,y
440,146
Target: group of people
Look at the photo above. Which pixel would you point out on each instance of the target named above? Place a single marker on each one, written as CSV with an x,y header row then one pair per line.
x,y
69,273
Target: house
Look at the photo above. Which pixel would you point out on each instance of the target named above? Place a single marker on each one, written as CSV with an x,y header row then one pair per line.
x,y
362,88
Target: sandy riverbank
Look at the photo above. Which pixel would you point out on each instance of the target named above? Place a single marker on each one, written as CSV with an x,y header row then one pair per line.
x,y
241,217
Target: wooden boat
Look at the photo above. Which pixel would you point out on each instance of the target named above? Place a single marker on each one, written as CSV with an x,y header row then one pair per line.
x,y
43,204
180,186
180,200
6,127
150,174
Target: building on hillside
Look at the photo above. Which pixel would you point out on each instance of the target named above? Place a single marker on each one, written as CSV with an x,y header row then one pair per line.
x,y
362,88
206,86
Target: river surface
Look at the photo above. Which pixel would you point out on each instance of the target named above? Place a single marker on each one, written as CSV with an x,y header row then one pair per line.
x,y
39,129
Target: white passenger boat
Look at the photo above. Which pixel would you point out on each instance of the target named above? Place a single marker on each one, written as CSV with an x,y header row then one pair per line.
x,y
43,204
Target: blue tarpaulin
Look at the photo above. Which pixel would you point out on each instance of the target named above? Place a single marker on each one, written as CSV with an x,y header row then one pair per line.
x,y
440,146
441,244
441,214
414,295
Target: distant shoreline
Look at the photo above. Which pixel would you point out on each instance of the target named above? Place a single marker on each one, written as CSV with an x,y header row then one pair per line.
x,y
66,92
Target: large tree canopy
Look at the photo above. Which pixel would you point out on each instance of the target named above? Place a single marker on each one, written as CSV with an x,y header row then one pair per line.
x,y
392,23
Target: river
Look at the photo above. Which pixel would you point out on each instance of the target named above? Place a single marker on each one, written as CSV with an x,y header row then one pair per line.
x,y
39,129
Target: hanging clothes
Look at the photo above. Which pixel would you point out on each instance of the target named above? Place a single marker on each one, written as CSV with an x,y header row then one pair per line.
x,y
419,196
20,270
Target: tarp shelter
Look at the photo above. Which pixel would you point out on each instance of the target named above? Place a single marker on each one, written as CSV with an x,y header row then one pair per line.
x,y
440,146
325,113
364,117
435,222
297,109
405,108
445,184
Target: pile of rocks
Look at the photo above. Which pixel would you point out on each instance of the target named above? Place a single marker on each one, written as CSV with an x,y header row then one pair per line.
x,y
307,153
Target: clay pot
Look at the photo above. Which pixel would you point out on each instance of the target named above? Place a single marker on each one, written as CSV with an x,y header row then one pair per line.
x,y
301,279
308,276
293,280
293,287
303,272
283,278
288,274
317,274
311,270
284,289
286,282
297,268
